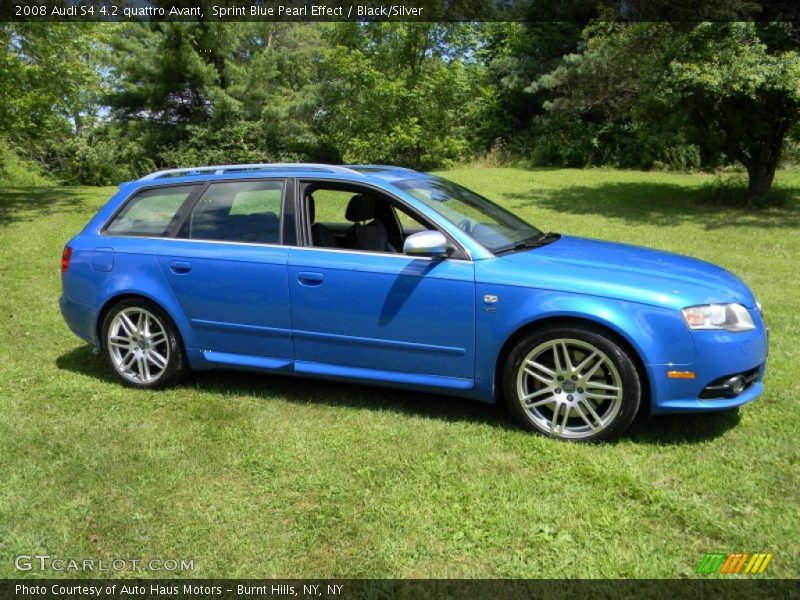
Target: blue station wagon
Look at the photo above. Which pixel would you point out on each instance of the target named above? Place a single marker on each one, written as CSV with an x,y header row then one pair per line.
x,y
389,276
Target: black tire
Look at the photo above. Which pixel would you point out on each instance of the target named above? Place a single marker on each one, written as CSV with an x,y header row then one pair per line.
x,y
615,406
171,349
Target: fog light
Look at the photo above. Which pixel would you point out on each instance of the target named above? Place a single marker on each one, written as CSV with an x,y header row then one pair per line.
x,y
735,385
730,386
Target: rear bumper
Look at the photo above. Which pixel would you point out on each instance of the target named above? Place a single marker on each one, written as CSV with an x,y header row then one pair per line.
x,y
80,318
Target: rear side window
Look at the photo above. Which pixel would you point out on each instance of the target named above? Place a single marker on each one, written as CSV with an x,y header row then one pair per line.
x,y
150,212
237,211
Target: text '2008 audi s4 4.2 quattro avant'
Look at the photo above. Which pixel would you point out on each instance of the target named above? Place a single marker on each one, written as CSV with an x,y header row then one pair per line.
x,y
390,276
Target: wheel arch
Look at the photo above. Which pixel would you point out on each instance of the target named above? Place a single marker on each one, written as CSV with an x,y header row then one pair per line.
x,y
130,295
570,320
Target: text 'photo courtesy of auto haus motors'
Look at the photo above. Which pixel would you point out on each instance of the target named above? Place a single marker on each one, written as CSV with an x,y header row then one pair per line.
x,y
389,276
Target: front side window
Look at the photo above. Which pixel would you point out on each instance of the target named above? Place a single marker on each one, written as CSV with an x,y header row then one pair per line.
x,y
237,211
490,225
150,212
354,218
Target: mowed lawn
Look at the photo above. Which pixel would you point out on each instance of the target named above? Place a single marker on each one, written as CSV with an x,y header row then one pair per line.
x,y
264,476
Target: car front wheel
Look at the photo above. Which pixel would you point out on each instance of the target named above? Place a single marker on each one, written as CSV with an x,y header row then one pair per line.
x,y
572,383
141,345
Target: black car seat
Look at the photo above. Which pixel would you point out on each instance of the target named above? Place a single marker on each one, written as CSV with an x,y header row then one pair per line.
x,y
366,233
320,234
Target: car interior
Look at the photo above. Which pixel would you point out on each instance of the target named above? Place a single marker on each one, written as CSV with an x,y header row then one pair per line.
x,y
357,220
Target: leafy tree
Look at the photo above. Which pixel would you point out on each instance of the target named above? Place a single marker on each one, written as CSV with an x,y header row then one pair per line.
x,y
97,103
218,92
738,95
404,93
730,88
516,54
166,77
50,85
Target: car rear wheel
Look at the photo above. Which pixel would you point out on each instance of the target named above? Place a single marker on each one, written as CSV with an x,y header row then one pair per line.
x,y
141,345
572,383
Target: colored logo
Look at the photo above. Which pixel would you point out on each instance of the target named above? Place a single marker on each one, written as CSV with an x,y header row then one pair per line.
x,y
736,562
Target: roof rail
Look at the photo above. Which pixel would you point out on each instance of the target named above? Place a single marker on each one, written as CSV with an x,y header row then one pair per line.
x,y
221,169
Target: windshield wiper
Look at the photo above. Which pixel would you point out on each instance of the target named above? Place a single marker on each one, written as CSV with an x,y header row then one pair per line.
x,y
531,242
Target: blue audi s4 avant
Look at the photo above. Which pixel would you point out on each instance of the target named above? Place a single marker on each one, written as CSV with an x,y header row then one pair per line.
x,y
389,276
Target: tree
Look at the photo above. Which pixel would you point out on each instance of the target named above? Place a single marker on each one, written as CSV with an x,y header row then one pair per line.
x,y
218,92
730,88
402,93
167,78
740,95
50,84
516,54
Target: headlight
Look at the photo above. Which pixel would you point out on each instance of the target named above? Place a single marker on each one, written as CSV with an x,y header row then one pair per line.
x,y
730,317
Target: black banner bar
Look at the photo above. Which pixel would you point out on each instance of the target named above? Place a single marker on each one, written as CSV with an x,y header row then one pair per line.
x,y
344,589
398,10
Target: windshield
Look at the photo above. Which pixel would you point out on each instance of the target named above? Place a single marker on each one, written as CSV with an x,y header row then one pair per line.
x,y
493,227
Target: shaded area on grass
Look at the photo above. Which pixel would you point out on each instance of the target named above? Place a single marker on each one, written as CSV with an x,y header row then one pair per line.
x,y
31,203
660,204
679,429
660,430
298,390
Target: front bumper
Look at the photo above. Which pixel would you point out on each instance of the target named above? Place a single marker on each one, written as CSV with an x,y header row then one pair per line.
x,y
718,354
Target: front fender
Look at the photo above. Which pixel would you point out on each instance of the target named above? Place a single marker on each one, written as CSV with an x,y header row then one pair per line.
x,y
658,335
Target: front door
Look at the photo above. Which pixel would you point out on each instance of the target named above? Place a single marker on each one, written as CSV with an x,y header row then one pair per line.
x,y
378,313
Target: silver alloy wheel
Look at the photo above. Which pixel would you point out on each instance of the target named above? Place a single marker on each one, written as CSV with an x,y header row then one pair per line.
x,y
570,388
138,344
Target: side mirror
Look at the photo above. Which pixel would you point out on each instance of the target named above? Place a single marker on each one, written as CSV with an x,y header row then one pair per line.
x,y
426,243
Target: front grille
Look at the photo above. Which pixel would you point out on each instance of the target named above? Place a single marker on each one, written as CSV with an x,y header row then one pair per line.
x,y
720,387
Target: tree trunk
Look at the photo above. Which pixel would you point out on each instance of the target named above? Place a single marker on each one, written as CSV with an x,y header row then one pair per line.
x,y
763,163
759,180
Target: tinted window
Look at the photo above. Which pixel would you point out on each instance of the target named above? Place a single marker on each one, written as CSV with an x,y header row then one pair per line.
x,y
150,211
238,211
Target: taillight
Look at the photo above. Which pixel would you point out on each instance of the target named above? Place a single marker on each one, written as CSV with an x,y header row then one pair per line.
x,y
65,258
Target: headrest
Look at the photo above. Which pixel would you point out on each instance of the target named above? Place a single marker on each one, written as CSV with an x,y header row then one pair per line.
x,y
360,208
312,209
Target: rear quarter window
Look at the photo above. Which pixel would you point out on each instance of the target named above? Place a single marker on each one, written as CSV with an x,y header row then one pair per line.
x,y
150,212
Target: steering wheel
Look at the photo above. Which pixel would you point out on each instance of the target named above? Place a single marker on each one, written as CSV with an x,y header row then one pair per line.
x,y
465,225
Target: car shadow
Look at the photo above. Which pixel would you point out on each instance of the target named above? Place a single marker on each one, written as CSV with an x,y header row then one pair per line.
x,y
661,430
662,204
297,390
682,429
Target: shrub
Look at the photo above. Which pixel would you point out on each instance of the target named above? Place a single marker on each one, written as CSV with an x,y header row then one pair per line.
x,y
17,171
680,157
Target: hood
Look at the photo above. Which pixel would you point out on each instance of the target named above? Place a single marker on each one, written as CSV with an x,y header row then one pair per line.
x,y
620,271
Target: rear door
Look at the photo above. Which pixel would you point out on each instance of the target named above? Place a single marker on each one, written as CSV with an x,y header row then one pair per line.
x,y
228,270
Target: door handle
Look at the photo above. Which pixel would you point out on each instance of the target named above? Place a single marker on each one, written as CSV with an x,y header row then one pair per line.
x,y
309,278
180,267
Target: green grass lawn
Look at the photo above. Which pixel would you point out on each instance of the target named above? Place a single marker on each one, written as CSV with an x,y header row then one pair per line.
x,y
263,476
